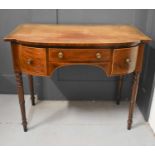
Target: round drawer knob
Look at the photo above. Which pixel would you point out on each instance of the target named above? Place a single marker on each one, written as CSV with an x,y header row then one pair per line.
x,y
98,55
29,61
60,55
128,60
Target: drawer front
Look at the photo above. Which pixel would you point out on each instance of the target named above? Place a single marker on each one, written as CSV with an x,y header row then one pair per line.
x,y
124,60
79,55
33,60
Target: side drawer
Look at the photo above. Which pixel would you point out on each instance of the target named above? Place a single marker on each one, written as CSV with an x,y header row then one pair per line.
x,y
33,60
124,60
80,55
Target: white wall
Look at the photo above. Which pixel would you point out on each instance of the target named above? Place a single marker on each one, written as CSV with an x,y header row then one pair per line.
x,y
152,113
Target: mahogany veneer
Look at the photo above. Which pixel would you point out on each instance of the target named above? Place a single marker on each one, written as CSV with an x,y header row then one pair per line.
x,y
39,49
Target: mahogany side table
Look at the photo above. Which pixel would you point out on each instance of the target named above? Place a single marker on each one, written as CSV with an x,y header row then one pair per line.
x,y
39,49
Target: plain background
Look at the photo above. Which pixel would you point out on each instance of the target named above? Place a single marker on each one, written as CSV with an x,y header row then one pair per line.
x,y
79,83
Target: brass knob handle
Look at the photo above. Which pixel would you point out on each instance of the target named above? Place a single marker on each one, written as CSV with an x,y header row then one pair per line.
x,y
128,60
98,55
60,55
29,61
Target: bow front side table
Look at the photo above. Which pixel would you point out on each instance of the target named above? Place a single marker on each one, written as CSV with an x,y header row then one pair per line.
x,y
39,49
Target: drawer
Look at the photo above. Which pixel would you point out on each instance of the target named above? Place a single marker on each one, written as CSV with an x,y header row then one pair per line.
x,y
124,60
33,60
79,55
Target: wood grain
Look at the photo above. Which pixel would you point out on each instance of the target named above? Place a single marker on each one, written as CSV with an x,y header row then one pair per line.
x,y
33,60
80,55
42,58
124,60
73,35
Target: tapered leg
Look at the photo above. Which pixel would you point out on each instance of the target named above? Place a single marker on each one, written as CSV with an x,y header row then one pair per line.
x,y
20,91
133,98
119,90
30,77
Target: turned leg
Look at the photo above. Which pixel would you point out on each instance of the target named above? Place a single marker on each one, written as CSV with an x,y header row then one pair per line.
x,y
30,77
20,91
133,98
119,90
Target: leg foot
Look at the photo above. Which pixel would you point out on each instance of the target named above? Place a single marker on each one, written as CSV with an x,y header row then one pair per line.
x,y
129,124
24,126
25,129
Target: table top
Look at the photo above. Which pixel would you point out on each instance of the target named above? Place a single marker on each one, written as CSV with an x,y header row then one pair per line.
x,y
55,35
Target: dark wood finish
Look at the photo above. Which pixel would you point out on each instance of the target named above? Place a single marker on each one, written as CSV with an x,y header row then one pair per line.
x,y
39,49
30,78
124,60
33,60
80,55
119,89
15,56
20,91
104,66
133,98
140,58
76,35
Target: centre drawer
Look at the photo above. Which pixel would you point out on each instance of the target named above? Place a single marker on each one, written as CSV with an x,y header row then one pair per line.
x,y
79,55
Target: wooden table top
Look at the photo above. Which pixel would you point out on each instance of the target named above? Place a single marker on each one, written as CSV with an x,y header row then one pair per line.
x,y
55,35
